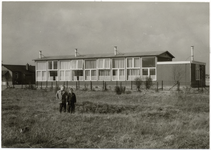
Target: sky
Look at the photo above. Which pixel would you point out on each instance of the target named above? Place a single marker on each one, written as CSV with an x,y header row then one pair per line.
x,y
57,28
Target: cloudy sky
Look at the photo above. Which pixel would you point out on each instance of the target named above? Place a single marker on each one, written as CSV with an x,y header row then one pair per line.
x,y
57,28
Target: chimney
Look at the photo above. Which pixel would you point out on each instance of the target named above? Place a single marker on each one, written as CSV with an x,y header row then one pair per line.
x,y
40,54
76,52
27,66
115,50
192,53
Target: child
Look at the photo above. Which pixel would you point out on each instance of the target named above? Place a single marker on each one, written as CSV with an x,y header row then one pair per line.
x,y
61,95
71,101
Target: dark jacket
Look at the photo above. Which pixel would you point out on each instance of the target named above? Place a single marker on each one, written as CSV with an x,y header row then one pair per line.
x,y
61,96
71,99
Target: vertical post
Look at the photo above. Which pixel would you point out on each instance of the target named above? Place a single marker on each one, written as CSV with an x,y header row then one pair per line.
x,y
131,83
41,85
157,86
78,84
46,83
67,84
103,86
198,85
76,87
178,86
91,85
56,84
162,85
52,85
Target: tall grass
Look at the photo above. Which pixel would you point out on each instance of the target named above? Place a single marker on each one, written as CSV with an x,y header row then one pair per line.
x,y
105,120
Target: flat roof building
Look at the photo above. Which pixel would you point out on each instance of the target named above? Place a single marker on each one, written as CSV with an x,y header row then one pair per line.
x,y
117,67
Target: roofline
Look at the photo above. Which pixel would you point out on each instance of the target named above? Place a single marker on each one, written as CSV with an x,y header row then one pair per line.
x,y
180,62
74,58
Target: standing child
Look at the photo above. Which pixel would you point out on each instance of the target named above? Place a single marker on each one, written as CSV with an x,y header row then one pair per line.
x,y
71,101
61,95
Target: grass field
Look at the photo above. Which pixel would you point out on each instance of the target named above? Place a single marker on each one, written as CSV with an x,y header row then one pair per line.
x,y
147,119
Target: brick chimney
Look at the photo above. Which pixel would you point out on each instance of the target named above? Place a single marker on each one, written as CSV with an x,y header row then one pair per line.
x,y
40,54
76,52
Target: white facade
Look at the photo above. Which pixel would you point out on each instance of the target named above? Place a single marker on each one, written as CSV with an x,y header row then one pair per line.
x,y
102,69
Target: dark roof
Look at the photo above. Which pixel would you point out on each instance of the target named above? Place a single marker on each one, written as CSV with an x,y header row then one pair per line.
x,y
4,72
111,55
20,68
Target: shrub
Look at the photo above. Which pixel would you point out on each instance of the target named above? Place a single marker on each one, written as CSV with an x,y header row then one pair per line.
x,y
138,83
148,82
119,89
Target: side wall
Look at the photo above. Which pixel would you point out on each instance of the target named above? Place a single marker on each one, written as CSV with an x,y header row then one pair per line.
x,y
171,73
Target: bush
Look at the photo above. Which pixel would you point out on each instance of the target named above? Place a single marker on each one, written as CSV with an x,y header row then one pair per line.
x,y
148,82
138,83
119,89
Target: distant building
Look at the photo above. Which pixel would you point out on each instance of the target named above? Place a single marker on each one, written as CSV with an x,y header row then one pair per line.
x,y
118,67
18,74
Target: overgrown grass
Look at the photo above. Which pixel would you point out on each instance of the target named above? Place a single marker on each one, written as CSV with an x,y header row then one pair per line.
x,y
144,119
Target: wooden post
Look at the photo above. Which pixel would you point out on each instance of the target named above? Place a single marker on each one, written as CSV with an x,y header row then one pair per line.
x,y
46,83
131,83
41,85
198,85
162,85
56,84
91,85
76,87
157,86
103,86
178,85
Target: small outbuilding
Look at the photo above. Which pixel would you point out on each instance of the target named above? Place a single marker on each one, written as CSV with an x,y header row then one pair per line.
x,y
18,74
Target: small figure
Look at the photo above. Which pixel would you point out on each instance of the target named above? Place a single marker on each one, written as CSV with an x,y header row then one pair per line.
x,y
61,95
71,101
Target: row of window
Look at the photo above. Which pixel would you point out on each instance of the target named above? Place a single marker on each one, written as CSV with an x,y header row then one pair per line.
x,y
107,75
100,63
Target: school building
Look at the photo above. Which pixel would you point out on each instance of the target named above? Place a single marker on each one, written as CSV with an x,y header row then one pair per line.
x,y
120,67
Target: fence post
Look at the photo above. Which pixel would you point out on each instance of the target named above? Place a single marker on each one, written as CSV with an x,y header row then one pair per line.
x,y
131,84
41,85
67,84
91,85
162,85
46,83
76,85
56,84
178,86
157,87
103,86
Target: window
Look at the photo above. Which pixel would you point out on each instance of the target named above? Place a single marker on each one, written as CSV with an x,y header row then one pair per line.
x,y
133,62
73,64
145,71
65,65
52,65
121,72
118,63
100,63
107,63
104,72
148,62
80,64
152,71
136,62
87,74
90,64
104,63
52,75
129,62
133,72
115,72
